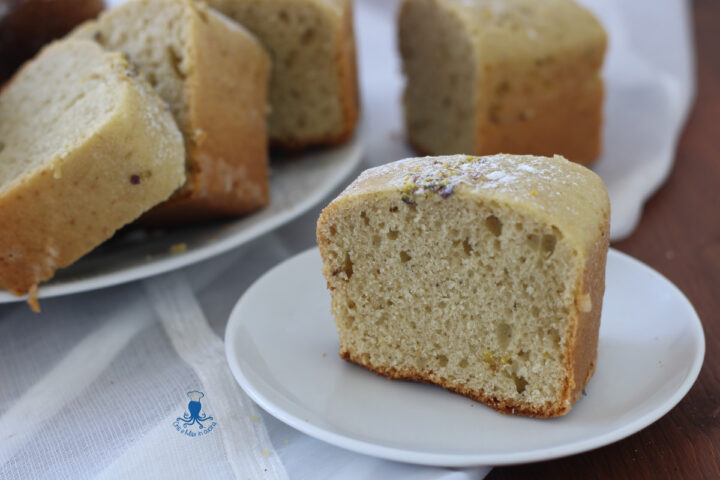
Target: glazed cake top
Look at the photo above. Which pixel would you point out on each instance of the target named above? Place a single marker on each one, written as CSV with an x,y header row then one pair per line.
x,y
562,193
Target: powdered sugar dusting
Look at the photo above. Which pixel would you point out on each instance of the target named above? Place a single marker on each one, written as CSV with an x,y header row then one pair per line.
x,y
544,182
567,193
499,177
503,173
527,168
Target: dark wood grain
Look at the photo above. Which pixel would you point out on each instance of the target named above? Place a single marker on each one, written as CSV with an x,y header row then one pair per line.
x,y
679,236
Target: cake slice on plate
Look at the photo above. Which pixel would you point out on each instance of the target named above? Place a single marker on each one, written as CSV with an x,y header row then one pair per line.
x,y
484,275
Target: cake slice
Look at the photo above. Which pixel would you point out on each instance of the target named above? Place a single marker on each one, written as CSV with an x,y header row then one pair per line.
x,y
513,76
484,275
214,76
313,88
85,148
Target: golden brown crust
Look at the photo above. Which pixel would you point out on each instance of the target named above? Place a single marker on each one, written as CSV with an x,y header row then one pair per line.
x,y
42,234
547,135
567,122
541,95
501,405
581,349
227,148
569,126
346,64
582,357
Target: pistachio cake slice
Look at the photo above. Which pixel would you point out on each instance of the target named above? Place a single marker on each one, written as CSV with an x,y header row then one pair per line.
x,y
484,275
85,148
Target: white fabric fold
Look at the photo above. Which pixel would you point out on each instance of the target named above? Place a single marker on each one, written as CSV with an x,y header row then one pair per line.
x,y
248,447
101,400
67,380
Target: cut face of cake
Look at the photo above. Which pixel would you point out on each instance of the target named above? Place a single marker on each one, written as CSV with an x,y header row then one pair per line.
x,y
85,148
484,275
213,74
514,76
313,86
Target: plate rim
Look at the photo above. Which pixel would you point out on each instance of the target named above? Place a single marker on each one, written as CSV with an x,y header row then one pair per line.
x,y
475,459
355,151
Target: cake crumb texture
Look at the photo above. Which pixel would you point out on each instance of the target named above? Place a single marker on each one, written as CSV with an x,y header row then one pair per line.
x,y
484,275
87,148
313,86
214,76
514,76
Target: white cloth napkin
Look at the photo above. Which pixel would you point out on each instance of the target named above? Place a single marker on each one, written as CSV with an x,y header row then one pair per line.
x,y
93,387
101,384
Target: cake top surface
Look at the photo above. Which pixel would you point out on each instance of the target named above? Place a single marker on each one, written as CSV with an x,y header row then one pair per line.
x,y
337,5
565,194
54,102
334,6
528,26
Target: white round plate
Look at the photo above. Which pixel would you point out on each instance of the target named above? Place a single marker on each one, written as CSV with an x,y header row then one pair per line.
x,y
282,348
296,184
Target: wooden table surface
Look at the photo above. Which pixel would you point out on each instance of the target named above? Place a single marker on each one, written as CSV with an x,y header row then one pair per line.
x,y
679,236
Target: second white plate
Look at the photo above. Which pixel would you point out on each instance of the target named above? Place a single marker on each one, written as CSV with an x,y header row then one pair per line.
x,y
284,355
